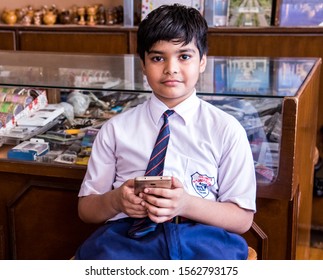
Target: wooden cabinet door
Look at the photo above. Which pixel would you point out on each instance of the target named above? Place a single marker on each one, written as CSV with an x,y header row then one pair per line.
x,y
44,223
76,42
7,40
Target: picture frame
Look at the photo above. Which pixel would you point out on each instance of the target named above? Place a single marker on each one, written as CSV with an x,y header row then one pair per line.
x,y
301,13
241,14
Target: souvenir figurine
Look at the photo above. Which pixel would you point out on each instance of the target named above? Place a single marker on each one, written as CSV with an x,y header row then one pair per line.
x,y
74,18
91,13
81,13
65,17
109,16
100,15
4,14
38,17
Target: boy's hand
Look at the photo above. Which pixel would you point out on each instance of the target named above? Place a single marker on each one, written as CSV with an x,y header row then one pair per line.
x,y
164,204
129,203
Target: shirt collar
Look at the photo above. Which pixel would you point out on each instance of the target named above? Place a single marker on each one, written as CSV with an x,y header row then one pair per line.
x,y
185,109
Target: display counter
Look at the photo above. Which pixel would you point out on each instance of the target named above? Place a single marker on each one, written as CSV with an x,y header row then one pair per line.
x,y
275,100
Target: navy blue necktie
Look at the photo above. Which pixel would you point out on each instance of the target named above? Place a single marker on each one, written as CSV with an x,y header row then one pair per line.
x,y
157,159
155,167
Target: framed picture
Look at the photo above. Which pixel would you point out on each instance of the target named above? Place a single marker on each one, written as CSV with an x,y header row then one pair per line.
x,y
250,76
216,12
300,13
250,13
289,75
148,5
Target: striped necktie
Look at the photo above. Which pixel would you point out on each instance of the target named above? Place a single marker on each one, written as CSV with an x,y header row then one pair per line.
x,y
157,158
155,167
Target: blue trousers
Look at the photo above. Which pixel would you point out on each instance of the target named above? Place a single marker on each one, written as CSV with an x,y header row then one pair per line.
x,y
170,241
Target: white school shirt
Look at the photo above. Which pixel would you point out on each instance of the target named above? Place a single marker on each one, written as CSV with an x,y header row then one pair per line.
x,y
208,151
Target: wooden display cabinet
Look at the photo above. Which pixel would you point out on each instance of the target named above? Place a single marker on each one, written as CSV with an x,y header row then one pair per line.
x,y
38,201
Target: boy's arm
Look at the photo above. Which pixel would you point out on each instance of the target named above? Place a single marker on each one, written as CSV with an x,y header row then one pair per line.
x,y
226,215
164,204
98,208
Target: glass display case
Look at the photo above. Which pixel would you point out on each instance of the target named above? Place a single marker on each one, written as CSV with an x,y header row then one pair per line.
x,y
275,100
250,89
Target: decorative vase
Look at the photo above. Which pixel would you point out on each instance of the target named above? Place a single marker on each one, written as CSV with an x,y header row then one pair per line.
x,y
49,18
10,17
4,14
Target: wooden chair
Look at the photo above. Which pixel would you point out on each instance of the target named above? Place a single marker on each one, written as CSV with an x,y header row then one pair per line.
x,y
252,254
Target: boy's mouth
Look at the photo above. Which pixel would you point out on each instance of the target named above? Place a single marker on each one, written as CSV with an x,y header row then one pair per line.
x,y
171,82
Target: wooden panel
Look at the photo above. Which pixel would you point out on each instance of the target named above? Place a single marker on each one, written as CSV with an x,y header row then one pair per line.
x,y
2,243
272,217
304,157
284,186
133,42
56,170
13,184
317,215
76,42
265,45
55,232
7,40
10,184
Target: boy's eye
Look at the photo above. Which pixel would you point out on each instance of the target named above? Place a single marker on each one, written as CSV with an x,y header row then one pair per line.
x,y
185,56
157,58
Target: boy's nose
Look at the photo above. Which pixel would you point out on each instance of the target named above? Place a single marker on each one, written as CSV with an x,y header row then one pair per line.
x,y
171,68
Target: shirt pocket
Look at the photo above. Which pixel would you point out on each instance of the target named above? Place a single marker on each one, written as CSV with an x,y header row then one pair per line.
x,y
200,179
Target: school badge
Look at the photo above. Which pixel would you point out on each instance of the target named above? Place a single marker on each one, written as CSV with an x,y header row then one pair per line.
x,y
202,183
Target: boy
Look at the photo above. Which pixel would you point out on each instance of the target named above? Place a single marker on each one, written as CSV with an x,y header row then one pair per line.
x,y
208,156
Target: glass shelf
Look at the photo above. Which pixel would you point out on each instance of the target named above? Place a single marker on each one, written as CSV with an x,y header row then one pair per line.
x,y
238,76
252,89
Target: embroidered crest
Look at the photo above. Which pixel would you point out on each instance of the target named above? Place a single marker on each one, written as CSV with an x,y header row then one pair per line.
x,y
202,183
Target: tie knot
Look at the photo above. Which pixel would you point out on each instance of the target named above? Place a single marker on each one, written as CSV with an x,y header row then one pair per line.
x,y
168,113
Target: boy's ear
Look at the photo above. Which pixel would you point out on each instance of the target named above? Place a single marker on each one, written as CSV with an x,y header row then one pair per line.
x,y
203,63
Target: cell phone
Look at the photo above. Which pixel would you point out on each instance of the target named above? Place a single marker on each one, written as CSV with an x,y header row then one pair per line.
x,y
152,181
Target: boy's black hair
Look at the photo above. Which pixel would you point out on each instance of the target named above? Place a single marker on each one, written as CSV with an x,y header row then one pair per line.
x,y
172,22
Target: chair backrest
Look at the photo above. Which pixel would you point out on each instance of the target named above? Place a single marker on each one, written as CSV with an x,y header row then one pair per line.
x,y
252,254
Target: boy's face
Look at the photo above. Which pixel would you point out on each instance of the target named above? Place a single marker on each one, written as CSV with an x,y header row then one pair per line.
x,y
172,70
